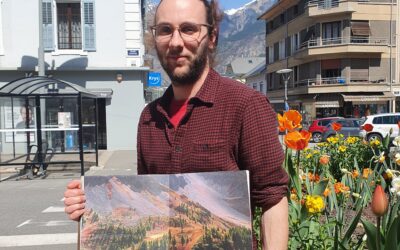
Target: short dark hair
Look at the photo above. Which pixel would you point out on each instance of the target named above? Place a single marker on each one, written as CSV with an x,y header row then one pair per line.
x,y
214,18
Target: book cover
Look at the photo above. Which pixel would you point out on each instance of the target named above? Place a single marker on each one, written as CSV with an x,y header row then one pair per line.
x,y
182,211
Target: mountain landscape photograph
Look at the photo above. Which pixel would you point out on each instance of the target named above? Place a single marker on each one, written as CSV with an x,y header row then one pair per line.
x,y
183,211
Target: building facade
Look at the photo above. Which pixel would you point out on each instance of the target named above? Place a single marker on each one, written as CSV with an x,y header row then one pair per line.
x,y
95,44
255,78
342,53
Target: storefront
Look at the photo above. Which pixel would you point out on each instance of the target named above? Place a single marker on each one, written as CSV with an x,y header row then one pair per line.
x,y
364,104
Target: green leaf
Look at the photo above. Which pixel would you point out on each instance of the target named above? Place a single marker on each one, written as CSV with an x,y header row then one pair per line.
x,y
392,237
352,227
319,188
370,230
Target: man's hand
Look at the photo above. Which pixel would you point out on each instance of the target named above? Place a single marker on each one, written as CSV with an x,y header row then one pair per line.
x,y
275,226
74,200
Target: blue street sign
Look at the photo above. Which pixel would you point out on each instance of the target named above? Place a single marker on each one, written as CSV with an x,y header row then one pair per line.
x,y
154,79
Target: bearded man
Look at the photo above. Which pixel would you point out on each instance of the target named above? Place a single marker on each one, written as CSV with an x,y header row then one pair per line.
x,y
205,122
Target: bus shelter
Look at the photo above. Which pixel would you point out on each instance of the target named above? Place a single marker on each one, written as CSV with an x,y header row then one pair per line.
x,y
46,121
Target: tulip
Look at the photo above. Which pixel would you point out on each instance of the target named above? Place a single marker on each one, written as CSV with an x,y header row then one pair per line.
x,y
297,140
380,203
290,120
336,126
324,159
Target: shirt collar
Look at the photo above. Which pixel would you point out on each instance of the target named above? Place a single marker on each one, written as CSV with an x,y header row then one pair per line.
x,y
205,95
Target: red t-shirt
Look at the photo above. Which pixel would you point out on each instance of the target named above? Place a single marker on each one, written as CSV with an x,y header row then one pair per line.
x,y
177,109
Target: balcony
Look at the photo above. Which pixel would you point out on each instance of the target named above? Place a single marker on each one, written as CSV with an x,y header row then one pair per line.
x,y
337,45
322,8
356,83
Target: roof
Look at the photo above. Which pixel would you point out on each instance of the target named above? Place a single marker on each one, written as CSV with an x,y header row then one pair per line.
x,y
41,85
243,65
256,70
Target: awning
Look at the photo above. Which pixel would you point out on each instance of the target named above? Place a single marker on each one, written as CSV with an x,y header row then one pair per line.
x,y
359,28
381,97
327,104
102,93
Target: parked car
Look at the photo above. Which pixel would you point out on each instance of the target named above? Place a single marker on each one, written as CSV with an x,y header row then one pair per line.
x,y
318,127
377,127
350,127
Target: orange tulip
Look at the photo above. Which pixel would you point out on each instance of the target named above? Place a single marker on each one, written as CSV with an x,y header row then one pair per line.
x,y
380,203
297,140
290,120
340,188
281,123
336,126
327,192
324,159
366,173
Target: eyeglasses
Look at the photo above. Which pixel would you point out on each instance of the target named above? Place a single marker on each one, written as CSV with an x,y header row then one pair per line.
x,y
189,32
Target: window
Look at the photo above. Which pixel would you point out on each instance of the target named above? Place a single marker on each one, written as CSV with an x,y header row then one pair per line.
x,y
282,18
255,86
271,54
295,43
69,26
331,33
360,31
75,25
296,10
282,49
262,87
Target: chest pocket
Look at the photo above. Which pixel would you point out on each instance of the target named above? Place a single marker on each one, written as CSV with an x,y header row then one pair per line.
x,y
207,156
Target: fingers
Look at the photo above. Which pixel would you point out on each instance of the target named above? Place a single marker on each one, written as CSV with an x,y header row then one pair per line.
x,y
74,184
74,212
74,200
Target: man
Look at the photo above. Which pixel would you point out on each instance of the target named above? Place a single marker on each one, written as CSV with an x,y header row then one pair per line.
x,y
27,118
205,122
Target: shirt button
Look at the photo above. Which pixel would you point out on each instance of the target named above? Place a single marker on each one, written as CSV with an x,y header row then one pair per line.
x,y
178,149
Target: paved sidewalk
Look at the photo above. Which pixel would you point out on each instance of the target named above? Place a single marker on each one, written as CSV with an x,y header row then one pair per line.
x,y
111,162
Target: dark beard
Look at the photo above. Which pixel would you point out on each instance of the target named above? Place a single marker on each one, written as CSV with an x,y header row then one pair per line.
x,y
196,68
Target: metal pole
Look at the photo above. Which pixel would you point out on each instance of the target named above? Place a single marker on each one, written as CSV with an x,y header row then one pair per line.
x,y
96,132
286,99
41,71
39,130
390,55
80,134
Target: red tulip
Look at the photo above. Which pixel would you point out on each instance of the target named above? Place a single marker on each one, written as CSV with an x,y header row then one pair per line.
x,y
336,126
380,203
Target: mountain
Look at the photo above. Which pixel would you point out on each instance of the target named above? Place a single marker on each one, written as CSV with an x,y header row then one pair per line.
x,y
241,34
132,212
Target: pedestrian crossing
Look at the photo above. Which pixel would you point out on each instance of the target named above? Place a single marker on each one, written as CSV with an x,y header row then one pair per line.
x,y
51,219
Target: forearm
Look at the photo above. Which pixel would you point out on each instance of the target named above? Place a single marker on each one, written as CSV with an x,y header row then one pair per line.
x,y
275,226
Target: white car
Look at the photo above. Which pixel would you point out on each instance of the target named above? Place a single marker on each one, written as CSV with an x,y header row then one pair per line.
x,y
379,126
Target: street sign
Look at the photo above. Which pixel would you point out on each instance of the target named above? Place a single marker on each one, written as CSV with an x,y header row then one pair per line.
x,y
133,52
154,79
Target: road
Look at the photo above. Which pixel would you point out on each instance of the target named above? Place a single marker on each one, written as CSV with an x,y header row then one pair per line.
x,y
32,214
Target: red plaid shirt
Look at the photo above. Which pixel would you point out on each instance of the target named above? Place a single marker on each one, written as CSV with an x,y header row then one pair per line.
x,y
227,127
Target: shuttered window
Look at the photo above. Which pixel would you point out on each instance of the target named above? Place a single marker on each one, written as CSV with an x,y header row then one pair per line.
x,y
69,26
48,28
360,28
89,34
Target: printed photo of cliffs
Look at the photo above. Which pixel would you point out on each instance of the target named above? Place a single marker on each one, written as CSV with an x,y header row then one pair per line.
x,y
182,211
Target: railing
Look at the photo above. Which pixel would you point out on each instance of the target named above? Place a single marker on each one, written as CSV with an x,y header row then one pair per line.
x,y
337,80
324,4
344,41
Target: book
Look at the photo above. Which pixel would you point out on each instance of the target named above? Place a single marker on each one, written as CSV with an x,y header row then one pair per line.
x,y
209,210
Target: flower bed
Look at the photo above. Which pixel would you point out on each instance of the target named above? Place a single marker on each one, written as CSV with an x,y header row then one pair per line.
x,y
338,188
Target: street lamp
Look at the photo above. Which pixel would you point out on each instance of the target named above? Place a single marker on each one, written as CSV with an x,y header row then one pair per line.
x,y
285,76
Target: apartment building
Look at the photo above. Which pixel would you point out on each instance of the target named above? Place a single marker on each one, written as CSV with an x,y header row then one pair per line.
x,y
342,53
97,44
